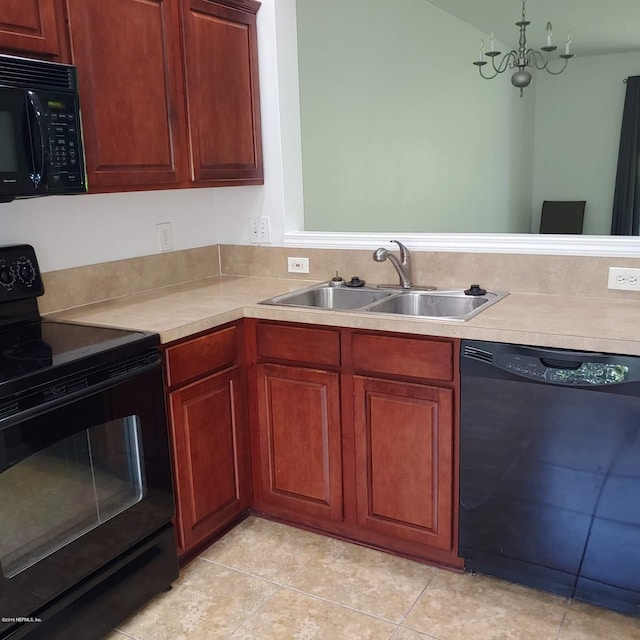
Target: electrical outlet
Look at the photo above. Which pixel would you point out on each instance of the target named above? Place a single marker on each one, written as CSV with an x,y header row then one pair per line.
x,y
626,279
254,233
165,237
298,265
260,230
264,229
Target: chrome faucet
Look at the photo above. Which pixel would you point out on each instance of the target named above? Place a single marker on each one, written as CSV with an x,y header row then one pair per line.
x,y
403,266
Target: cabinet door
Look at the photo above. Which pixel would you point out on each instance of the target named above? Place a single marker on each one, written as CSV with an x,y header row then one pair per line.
x,y
128,58
220,45
210,437
404,459
31,27
300,441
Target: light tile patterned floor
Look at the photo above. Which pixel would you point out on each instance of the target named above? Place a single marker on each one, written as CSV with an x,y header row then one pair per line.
x,y
266,581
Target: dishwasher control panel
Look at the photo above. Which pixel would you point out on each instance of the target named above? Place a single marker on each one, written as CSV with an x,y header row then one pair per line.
x,y
553,366
585,373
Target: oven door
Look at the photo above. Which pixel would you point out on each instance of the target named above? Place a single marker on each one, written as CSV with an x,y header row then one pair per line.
x,y
80,483
22,152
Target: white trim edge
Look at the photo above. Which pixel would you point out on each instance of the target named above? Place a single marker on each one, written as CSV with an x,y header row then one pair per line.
x,y
579,245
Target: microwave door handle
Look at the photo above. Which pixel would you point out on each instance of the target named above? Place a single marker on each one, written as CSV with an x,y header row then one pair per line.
x,y
40,155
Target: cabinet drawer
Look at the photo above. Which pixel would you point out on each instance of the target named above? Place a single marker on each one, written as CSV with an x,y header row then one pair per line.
x,y
196,357
432,359
299,344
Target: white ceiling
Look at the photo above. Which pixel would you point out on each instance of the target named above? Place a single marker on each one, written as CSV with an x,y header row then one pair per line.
x,y
597,26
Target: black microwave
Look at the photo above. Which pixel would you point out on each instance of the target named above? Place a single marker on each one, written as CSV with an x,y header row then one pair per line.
x,y
41,151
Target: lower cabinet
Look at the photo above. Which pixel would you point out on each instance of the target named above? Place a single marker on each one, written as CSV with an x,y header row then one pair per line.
x,y
404,454
209,430
299,441
358,438
353,433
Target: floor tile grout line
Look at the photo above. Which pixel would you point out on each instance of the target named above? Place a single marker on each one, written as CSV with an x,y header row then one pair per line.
x,y
245,573
255,611
411,608
309,595
338,604
325,543
415,602
564,617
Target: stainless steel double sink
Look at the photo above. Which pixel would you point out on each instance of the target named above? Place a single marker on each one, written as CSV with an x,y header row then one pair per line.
x,y
443,305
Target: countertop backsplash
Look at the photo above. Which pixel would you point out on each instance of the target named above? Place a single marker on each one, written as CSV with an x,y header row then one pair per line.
x,y
515,273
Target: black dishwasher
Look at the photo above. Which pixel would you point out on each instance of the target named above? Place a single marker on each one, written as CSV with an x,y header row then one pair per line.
x,y
550,470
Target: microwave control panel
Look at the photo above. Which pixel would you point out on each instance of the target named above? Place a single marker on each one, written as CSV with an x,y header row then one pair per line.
x,y
62,116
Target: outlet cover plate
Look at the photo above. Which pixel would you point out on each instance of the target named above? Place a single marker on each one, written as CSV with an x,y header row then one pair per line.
x,y
624,278
298,265
165,237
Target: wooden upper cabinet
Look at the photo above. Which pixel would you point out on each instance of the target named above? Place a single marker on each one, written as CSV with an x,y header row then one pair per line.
x,y
131,90
33,28
221,70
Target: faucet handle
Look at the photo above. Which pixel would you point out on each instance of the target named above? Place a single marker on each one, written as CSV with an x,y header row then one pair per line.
x,y
405,255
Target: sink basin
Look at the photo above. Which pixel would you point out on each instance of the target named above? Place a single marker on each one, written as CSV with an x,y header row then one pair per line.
x,y
327,297
441,305
452,305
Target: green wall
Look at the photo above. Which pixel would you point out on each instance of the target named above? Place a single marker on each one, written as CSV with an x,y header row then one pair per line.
x,y
578,117
398,130
400,134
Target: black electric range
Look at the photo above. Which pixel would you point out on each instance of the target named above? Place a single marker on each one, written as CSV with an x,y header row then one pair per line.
x,y
35,351
86,490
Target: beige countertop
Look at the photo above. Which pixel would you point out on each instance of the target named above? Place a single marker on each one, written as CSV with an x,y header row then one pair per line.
x,y
178,311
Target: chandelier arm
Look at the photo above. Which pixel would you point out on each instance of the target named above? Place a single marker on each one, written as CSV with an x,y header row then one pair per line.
x,y
557,73
504,63
487,77
539,61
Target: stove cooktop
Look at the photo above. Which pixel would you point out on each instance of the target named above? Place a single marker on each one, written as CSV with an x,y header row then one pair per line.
x,y
44,347
35,352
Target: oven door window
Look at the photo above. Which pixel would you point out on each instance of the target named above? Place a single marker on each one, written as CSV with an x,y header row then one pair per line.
x,y
55,496
81,483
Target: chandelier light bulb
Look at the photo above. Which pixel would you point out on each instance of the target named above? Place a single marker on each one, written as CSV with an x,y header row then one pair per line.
x,y
549,33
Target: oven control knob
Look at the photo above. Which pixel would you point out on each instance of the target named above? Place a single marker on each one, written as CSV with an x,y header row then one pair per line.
x,y
7,277
26,272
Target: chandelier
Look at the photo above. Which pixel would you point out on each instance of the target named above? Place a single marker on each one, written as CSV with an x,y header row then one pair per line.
x,y
523,57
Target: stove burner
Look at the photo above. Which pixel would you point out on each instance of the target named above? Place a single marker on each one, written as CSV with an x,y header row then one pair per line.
x,y
35,352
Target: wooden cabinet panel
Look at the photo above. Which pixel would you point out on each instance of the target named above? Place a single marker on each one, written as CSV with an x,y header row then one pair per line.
x,y
32,27
299,344
129,67
211,460
404,460
400,356
220,45
300,440
201,355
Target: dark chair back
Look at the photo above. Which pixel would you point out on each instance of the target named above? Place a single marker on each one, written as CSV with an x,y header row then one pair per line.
x,y
562,216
